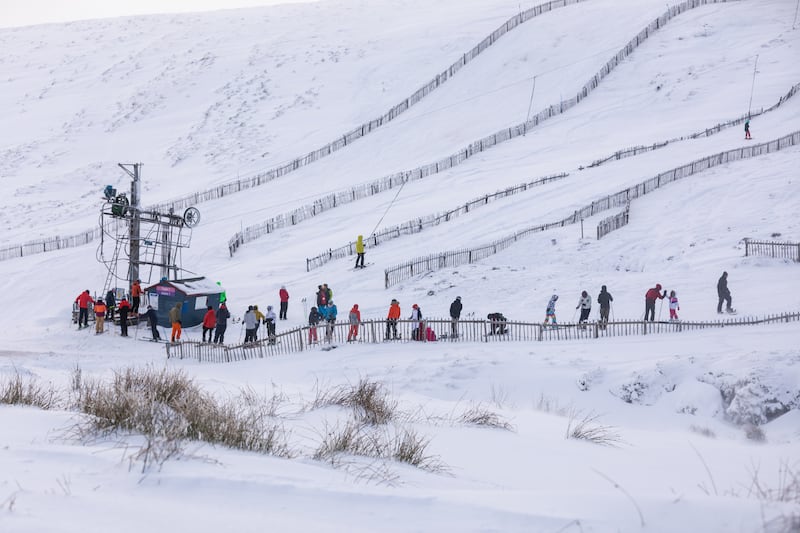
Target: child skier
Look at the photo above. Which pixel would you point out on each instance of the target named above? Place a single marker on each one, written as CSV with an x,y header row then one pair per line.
x,y
585,305
314,318
673,306
355,320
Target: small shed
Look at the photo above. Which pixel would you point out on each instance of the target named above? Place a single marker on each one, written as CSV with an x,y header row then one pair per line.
x,y
194,295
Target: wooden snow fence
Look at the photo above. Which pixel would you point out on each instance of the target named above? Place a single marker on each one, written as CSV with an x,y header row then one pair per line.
x,y
374,332
778,250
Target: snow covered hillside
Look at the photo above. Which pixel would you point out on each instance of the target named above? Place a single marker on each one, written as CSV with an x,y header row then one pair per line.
x,y
697,431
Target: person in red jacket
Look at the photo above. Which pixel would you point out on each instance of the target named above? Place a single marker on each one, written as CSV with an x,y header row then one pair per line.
x,y
83,300
136,296
284,295
355,319
650,301
209,323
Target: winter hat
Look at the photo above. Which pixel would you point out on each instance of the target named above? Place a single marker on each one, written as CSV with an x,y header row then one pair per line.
x,y
658,286
249,307
458,298
603,288
554,297
210,308
415,306
255,308
355,306
269,308
395,301
313,308
330,302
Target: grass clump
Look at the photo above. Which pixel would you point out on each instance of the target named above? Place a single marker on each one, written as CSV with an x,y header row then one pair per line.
x,y
21,391
478,415
369,400
588,428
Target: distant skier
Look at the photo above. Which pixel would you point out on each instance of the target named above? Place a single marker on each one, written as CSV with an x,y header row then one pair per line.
x,y
455,315
175,320
250,324
391,320
724,294
99,316
360,251
550,312
585,305
209,322
355,319
314,318
259,320
83,300
136,296
416,315
111,302
269,320
747,129
674,306
650,298
152,318
124,309
283,294
604,299
222,323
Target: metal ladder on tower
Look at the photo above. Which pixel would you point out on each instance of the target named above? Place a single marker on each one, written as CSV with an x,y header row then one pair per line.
x,y
112,270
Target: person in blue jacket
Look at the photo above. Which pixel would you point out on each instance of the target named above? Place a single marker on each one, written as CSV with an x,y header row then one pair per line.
x,y
330,318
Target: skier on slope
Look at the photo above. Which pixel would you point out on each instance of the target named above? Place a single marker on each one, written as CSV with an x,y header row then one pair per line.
x,y
222,323
355,319
585,305
724,294
136,296
209,321
674,306
250,325
604,299
83,300
360,251
175,320
124,309
269,320
283,294
314,318
650,298
152,318
747,129
391,320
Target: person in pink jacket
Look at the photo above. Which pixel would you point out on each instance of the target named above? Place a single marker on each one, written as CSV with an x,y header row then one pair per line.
x,y
284,296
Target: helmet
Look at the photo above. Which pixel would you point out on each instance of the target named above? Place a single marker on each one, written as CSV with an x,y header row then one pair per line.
x,y
415,306
555,297
458,298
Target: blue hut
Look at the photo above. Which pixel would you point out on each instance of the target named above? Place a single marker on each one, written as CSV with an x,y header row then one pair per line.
x,y
194,295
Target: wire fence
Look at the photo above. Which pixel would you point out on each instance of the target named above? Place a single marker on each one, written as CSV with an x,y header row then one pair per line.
x,y
778,250
416,225
332,200
636,150
614,222
444,330
437,261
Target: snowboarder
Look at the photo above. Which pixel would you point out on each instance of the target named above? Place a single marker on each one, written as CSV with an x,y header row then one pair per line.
x,y
222,323
650,298
747,129
99,316
175,320
284,296
550,312
360,251
391,320
136,296
152,318
585,305
124,309
111,301
498,324
416,314
724,294
674,307
455,315
314,318
209,322
604,299
269,320
355,320
83,300
250,323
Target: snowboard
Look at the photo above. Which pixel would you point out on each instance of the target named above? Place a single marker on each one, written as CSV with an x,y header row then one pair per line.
x,y
151,339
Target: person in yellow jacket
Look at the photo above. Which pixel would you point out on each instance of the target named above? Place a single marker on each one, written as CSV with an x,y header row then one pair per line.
x,y
360,252
259,319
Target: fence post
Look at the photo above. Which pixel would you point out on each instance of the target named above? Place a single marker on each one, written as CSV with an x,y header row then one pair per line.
x,y
372,331
300,337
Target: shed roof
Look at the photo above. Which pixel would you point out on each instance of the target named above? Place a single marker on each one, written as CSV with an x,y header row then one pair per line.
x,y
190,287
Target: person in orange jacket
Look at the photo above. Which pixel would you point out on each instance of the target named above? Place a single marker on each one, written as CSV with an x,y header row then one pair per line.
x,y
136,296
355,320
83,300
209,323
99,316
391,320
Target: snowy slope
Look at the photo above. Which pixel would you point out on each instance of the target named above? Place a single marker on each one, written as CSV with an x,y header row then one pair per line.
x,y
683,462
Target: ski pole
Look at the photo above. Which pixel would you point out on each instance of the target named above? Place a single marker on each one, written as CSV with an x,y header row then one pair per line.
x,y
660,305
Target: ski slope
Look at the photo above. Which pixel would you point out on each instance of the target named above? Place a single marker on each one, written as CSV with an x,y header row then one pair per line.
x,y
200,98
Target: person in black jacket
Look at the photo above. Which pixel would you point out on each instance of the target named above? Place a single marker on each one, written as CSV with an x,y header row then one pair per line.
x,y
222,323
724,294
314,318
455,315
111,301
604,299
152,318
